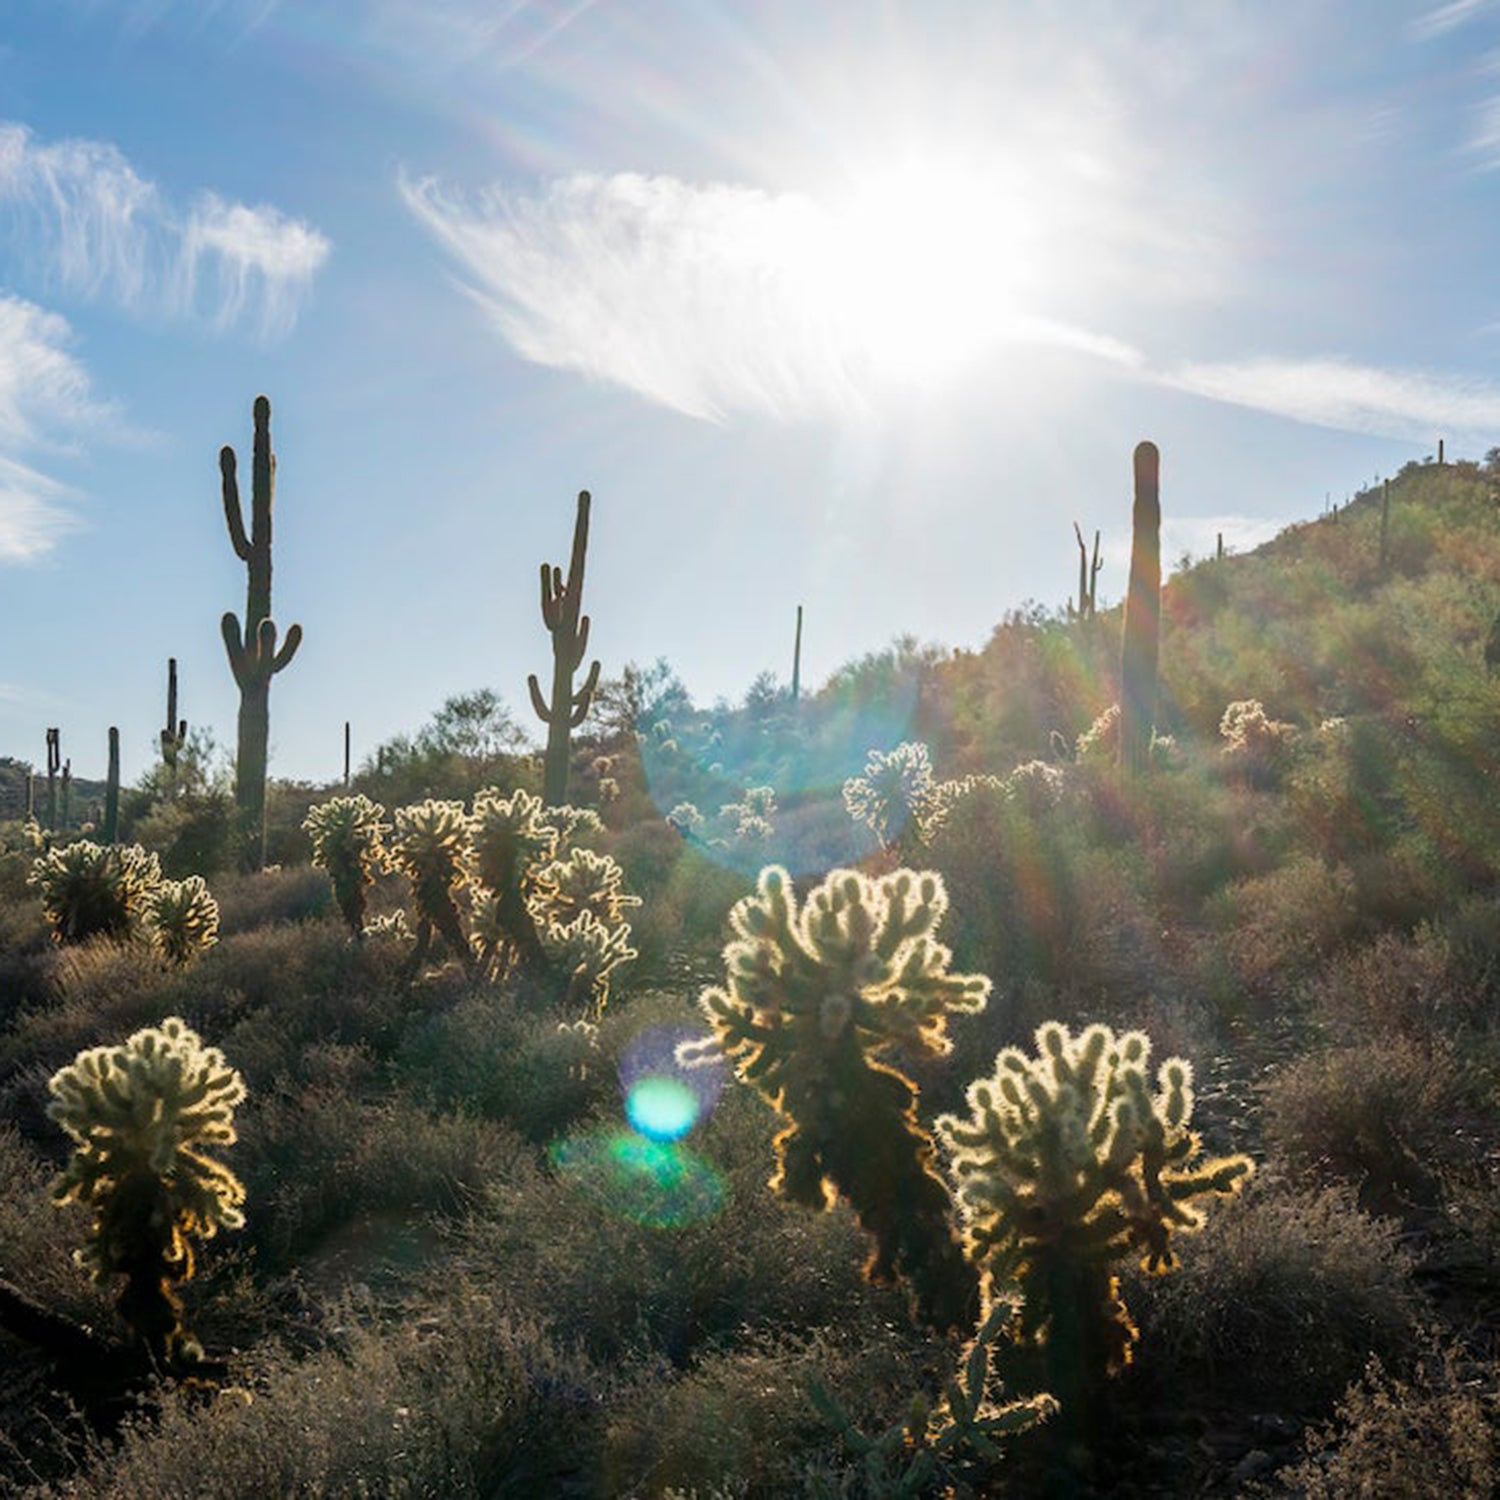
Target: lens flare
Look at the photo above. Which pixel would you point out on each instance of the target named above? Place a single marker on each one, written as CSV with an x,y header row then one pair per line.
x,y
661,1109
654,1183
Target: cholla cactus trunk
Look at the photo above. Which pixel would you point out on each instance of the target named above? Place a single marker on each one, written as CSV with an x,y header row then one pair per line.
x,y
812,996
253,656
1142,634
561,603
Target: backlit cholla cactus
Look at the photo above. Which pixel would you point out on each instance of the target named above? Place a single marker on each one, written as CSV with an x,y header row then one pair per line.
x,y
91,890
514,836
749,823
347,836
894,796
1255,747
1067,1163
432,847
813,997
182,919
1101,740
1036,785
142,1116
584,952
582,881
687,820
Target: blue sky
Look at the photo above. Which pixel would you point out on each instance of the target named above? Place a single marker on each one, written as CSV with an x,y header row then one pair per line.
x,y
854,305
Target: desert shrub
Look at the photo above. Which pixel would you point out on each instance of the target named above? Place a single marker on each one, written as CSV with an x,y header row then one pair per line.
x,y
1437,1432
192,834
1273,930
1378,1115
251,901
489,1056
473,1402
1393,985
1278,1302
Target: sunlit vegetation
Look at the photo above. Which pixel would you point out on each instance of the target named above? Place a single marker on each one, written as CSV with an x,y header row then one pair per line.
x,y
872,1091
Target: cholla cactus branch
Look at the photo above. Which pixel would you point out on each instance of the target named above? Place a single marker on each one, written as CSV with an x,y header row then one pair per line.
x,y
141,1116
812,997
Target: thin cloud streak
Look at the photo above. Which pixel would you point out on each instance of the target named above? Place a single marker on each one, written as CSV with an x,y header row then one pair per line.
x,y
1408,404
76,213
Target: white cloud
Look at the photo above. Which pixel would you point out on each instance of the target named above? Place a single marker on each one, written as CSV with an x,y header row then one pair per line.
x,y
76,214
44,393
1442,19
1408,404
718,298
252,255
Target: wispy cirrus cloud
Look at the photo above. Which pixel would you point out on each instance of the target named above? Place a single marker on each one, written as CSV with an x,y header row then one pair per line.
x,y
76,214
709,299
44,399
719,299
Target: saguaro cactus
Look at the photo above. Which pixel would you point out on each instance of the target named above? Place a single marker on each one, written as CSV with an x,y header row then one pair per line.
x,y
1138,655
797,659
174,736
112,789
570,641
1088,577
253,656
54,765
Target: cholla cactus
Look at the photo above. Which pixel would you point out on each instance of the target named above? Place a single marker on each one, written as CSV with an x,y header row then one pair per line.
x,y
513,836
432,846
584,952
141,1116
1101,740
347,834
812,997
90,889
583,881
687,820
749,823
1036,785
182,919
894,796
1068,1163
1255,747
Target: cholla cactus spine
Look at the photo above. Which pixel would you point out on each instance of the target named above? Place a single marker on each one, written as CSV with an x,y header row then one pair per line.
x,y
812,997
182,919
347,836
90,890
141,1116
1067,1163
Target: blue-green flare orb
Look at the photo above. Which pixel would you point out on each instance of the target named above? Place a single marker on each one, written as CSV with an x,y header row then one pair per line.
x,y
661,1108
655,1183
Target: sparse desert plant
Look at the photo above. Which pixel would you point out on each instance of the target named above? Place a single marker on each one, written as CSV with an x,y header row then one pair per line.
x,y
141,1116
182,919
91,890
813,997
893,797
1256,748
347,834
1068,1163
431,846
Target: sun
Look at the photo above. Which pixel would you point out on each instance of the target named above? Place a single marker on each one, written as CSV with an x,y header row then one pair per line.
x,y
931,262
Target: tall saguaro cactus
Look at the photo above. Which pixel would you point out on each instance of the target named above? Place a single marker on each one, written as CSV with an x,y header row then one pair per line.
x,y
54,765
112,789
253,656
797,659
570,640
1139,650
174,736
